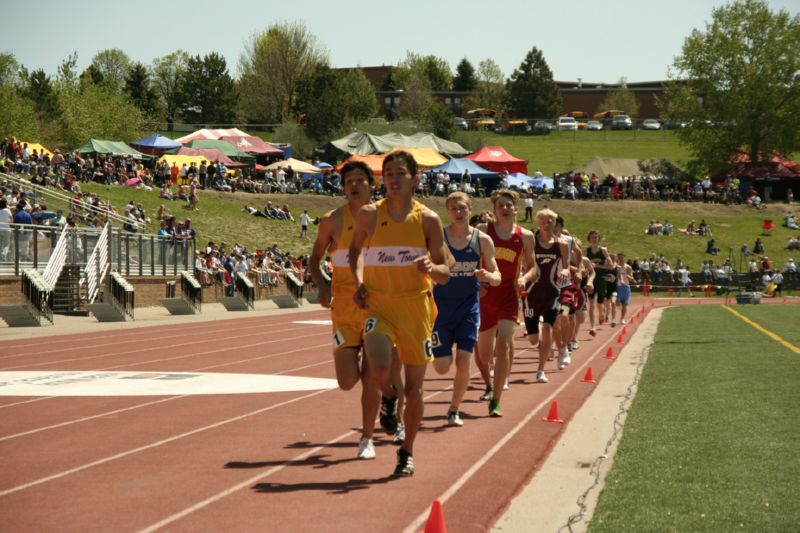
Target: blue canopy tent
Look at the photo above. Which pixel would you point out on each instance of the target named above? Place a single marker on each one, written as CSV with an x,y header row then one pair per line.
x,y
155,144
541,183
455,169
523,181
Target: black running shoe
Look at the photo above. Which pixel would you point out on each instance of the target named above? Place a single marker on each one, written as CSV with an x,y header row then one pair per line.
x,y
487,395
388,416
405,464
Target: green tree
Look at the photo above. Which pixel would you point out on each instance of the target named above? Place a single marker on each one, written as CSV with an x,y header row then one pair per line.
x,y
38,87
9,69
138,87
465,77
167,73
18,118
272,65
332,100
532,93
209,94
68,72
433,69
738,83
417,98
490,89
622,99
439,120
96,111
111,66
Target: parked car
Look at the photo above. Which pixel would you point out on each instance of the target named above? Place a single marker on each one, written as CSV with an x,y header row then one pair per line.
x,y
567,124
651,124
461,123
621,122
594,125
542,127
673,124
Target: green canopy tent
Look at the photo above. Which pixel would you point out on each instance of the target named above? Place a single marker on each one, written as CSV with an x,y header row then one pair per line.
x,y
224,147
96,146
360,143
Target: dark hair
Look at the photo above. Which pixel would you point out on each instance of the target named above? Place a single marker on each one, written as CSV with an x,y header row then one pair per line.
x,y
3,203
357,165
560,221
411,163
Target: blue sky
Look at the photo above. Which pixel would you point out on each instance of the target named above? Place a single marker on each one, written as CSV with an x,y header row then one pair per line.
x,y
589,39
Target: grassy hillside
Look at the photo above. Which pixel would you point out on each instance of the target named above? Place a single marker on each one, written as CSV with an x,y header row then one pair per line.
x,y
221,219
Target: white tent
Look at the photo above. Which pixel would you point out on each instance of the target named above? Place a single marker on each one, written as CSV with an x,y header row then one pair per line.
x,y
297,166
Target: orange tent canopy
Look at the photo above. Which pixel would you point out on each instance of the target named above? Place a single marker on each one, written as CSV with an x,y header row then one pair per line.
x,y
375,162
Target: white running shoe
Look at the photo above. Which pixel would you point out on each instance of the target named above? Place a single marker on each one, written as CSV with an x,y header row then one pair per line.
x,y
573,346
399,437
366,450
540,377
453,419
623,322
564,359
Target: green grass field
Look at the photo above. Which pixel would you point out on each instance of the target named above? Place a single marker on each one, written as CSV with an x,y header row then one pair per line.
x,y
710,439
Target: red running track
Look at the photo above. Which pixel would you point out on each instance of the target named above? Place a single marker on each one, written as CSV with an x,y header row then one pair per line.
x,y
278,461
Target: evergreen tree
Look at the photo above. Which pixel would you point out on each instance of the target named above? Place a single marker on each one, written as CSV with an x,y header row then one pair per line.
x,y
532,93
209,94
137,86
465,77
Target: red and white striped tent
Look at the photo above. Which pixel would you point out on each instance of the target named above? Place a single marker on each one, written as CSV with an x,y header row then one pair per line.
x,y
211,134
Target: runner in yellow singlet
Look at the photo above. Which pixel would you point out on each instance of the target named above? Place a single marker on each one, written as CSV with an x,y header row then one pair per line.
x,y
405,253
334,237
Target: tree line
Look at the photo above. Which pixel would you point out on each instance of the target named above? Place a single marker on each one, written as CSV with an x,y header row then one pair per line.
x,y
736,82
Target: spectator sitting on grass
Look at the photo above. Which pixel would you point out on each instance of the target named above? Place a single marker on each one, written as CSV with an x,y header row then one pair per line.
x,y
182,194
287,215
792,243
711,247
790,222
690,229
221,184
667,228
758,247
704,229
253,211
273,212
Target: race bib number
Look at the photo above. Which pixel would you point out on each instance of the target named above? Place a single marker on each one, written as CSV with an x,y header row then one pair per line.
x,y
428,347
369,325
338,338
435,339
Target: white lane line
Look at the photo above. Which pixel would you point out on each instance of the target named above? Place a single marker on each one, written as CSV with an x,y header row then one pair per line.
x,y
172,346
146,404
154,444
26,401
466,476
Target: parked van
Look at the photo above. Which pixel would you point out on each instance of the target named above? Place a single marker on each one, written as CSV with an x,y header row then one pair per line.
x,y
567,124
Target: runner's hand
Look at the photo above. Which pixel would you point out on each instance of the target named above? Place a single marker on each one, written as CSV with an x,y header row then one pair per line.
x,y
563,275
520,284
360,297
482,275
324,296
589,288
424,265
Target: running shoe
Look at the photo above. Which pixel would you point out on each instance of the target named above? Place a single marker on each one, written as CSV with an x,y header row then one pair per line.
x,y
623,321
487,395
366,450
405,464
388,416
573,346
540,377
453,419
564,359
400,435
494,409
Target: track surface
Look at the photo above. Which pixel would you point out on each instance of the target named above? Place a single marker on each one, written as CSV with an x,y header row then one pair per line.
x,y
276,461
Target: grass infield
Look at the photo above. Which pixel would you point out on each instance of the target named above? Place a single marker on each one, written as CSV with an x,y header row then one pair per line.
x,y
710,439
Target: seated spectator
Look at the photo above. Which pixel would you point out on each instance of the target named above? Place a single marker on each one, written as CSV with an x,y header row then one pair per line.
x,y
690,229
166,193
766,265
792,243
758,247
287,215
201,270
711,247
162,213
790,222
666,229
221,184
704,229
253,211
790,270
182,194
654,228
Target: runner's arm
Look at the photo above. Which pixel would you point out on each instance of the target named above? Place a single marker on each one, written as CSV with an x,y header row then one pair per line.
x,y
321,246
364,227
437,263
489,273
531,273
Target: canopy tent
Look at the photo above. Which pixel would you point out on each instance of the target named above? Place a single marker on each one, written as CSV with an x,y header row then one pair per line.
x,y
179,160
211,134
296,164
374,162
742,155
36,146
764,170
425,157
519,180
360,143
211,155
603,166
155,144
543,183
496,159
455,169
224,147
252,145
109,147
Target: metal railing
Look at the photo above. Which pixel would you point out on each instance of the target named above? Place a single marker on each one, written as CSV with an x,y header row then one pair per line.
x,y
58,256
96,265
295,286
121,294
246,290
191,290
38,294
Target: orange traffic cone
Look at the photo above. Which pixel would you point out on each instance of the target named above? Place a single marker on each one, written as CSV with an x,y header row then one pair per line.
x,y
620,339
589,377
624,331
670,302
609,353
644,309
435,523
552,416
